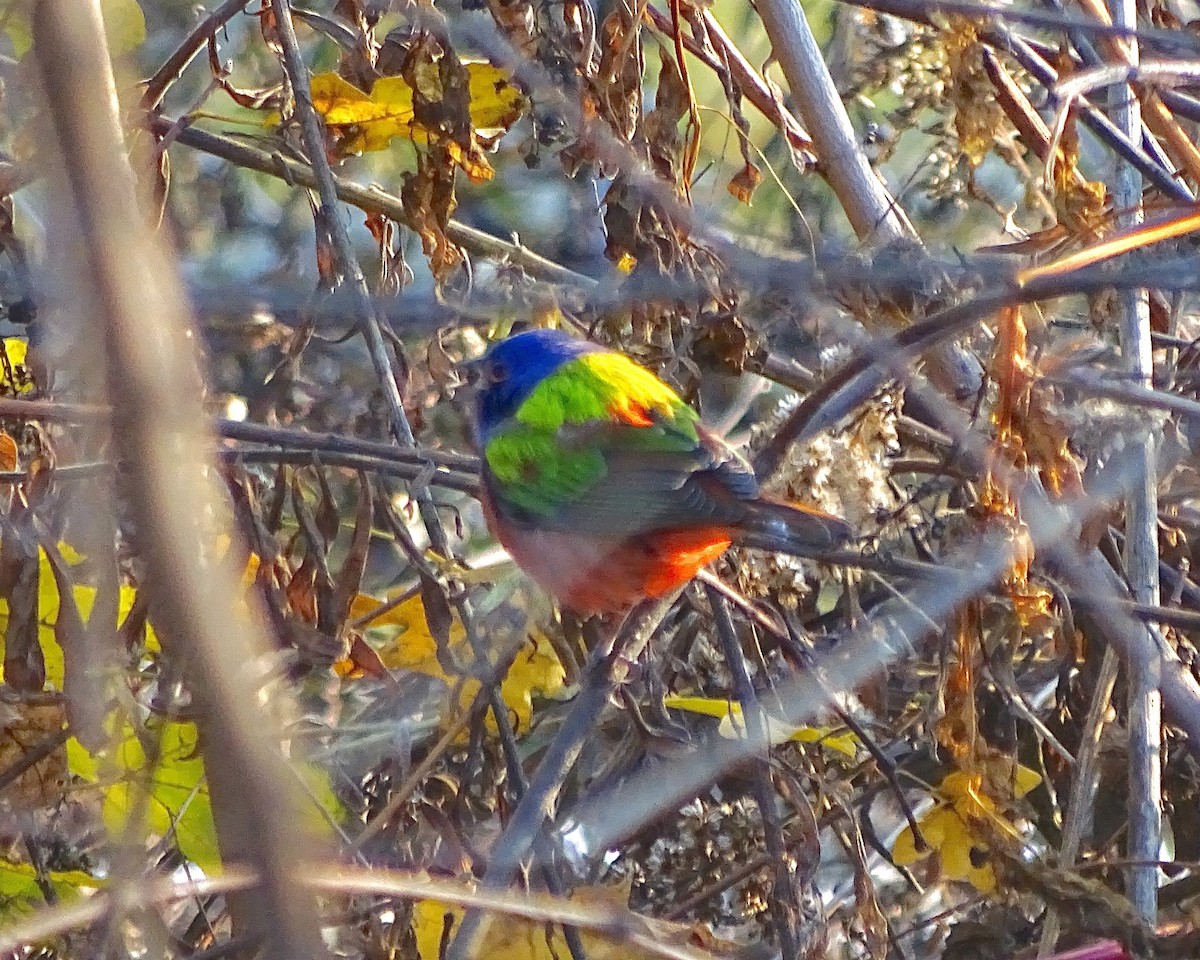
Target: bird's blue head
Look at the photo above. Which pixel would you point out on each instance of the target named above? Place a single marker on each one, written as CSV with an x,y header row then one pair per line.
x,y
512,368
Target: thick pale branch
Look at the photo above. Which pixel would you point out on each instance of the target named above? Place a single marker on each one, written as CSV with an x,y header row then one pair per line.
x,y
132,297
872,211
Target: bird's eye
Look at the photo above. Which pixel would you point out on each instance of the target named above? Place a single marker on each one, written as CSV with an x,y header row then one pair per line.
x,y
496,372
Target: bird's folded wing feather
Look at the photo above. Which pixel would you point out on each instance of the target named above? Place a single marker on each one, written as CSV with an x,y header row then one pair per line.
x,y
612,479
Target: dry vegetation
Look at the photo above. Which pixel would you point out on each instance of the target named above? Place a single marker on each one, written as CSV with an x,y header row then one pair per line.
x,y
268,687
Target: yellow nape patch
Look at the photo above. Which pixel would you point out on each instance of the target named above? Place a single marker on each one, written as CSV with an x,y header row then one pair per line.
x,y
603,386
631,383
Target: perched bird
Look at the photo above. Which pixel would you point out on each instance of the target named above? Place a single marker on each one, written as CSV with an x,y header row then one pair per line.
x,y
602,483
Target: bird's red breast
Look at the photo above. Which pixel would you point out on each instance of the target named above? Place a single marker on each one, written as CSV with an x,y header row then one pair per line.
x,y
590,574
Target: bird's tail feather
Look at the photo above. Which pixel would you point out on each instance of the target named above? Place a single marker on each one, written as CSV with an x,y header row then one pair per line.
x,y
791,528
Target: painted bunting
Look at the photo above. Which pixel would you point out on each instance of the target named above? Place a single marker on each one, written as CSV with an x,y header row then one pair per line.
x,y
602,483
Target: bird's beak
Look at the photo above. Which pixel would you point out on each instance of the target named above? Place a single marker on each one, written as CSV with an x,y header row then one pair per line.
x,y
470,374
469,371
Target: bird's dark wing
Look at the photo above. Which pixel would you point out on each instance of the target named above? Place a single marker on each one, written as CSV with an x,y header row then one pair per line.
x,y
655,479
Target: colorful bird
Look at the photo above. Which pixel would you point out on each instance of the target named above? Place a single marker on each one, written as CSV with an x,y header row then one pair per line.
x,y
604,486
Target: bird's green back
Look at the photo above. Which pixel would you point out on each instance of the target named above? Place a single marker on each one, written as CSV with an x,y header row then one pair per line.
x,y
558,445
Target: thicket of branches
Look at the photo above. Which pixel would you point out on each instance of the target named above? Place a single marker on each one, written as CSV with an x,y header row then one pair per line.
x,y
267,683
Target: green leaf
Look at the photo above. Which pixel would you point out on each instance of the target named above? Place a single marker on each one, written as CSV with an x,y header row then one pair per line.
x,y
167,787
20,893
170,789
124,25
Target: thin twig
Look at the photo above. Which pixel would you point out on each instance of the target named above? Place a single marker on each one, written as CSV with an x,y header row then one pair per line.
x,y
1077,822
371,199
604,672
748,80
313,134
55,410
782,901
32,755
385,466
337,443
191,45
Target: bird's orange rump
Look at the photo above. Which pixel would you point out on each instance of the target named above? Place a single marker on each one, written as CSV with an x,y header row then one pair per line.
x,y
591,574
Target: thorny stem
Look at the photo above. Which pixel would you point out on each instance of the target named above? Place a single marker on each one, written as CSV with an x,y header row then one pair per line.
x,y
173,67
348,269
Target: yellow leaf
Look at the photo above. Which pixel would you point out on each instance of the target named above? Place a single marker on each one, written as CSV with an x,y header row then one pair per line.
x,y
48,604
513,938
172,791
365,122
16,378
170,788
732,725
1025,780
904,848
949,836
845,743
708,706
952,829
409,646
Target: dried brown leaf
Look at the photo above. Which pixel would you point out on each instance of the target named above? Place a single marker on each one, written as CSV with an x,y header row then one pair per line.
x,y
8,452
745,182
349,580
24,663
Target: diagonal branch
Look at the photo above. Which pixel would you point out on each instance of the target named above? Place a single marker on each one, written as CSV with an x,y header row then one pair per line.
x,y
872,211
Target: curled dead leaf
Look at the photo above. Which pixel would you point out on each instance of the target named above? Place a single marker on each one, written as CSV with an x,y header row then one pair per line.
x,y
745,182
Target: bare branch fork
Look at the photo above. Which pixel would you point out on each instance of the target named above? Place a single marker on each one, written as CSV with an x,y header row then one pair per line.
x,y
313,135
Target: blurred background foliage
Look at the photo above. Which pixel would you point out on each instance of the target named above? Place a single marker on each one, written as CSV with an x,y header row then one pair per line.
x,y
429,677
